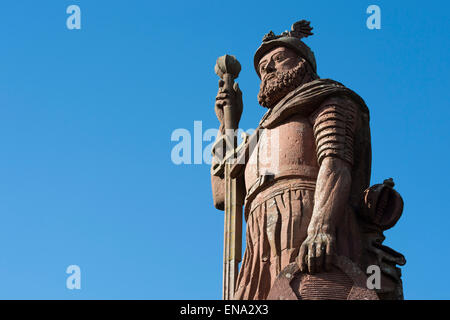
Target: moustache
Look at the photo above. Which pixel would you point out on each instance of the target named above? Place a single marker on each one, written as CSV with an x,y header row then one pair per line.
x,y
269,76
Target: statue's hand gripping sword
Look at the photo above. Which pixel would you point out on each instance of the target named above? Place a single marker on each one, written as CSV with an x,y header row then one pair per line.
x,y
228,68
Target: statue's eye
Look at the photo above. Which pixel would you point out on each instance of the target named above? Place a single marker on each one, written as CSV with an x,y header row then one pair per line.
x,y
278,58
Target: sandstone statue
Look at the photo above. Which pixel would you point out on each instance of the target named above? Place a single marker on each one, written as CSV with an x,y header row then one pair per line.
x,y
301,181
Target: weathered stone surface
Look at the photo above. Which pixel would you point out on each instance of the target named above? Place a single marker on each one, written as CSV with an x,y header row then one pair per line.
x,y
314,224
345,281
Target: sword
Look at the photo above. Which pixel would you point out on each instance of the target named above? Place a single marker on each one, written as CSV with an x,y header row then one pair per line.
x,y
228,68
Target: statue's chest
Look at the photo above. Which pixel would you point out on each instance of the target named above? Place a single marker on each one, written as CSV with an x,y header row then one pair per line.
x,y
289,147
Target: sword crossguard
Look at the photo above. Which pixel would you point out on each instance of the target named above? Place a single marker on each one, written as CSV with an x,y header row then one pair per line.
x,y
231,153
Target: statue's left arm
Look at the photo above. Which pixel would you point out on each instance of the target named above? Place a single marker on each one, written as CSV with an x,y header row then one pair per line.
x,y
334,127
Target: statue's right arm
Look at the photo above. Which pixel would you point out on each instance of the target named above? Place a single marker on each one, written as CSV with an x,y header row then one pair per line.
x,y
218,190
226,97
218,183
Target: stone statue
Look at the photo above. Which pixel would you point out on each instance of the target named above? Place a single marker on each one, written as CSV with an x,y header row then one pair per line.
x,y
314,226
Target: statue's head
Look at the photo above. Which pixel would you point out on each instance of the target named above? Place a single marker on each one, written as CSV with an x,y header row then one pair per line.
x,y
284,63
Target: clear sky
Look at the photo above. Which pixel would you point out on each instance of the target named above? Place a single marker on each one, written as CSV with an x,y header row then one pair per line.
x,y
86,118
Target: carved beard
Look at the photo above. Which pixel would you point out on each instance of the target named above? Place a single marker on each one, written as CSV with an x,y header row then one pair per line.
x,y
280,83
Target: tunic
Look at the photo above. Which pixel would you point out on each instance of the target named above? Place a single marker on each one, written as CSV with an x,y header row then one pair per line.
x,y
318,120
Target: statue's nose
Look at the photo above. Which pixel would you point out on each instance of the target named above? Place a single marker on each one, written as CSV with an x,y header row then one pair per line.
x,y
270,66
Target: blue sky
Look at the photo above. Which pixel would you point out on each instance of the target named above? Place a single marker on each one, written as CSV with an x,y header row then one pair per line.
x,y
86,117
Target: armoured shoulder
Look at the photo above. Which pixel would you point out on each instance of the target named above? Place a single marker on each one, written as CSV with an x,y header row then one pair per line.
x,y
334,123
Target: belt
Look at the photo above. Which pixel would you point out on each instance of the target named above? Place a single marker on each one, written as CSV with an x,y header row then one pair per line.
x,y
303,173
